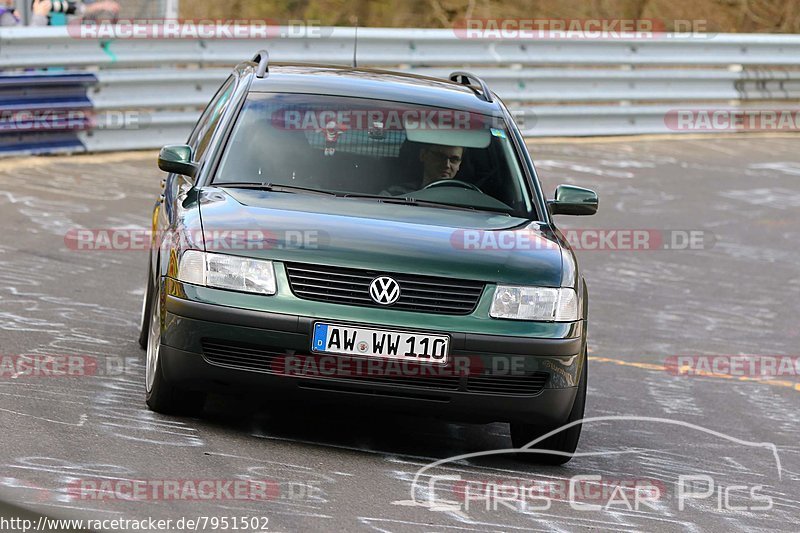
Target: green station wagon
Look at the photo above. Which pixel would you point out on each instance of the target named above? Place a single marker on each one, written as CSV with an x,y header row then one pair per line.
x,y
335,235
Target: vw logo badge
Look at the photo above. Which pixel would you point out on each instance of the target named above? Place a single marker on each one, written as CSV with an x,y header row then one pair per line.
x,y
384,290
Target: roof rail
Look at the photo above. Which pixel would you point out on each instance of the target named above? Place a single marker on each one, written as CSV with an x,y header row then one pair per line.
x,y
262,58
466,78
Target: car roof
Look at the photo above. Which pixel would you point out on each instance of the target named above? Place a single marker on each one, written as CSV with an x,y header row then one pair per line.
x,y
371,83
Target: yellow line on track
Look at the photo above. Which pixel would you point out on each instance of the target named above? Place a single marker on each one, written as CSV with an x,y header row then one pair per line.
x,y
688,372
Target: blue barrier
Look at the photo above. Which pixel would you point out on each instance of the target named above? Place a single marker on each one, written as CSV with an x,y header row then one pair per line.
x,y
43,112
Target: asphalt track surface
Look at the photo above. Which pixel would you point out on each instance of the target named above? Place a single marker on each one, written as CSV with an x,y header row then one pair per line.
x,y
334,470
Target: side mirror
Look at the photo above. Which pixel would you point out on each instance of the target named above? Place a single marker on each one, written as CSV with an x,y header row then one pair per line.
x,y
571,200
177,158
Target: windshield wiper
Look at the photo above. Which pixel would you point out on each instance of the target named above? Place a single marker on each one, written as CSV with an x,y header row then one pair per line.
x,y
402,200
470,207
276,187
406,200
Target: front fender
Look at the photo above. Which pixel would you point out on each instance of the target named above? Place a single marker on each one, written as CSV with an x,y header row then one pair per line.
x,y
180,228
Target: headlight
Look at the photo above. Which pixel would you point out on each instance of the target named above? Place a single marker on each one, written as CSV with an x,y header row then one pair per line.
x,y
227,272
535,303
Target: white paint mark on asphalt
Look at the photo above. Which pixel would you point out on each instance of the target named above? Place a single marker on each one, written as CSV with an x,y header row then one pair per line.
x,y
790,168
121,416
774,198
77,508
81,419
582,168
276,511
68,467
675,395
51,216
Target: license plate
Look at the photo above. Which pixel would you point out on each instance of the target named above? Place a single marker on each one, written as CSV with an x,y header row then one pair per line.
x,y
406,345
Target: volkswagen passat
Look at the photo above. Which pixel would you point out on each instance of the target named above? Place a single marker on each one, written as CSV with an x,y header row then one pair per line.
x,y
342,235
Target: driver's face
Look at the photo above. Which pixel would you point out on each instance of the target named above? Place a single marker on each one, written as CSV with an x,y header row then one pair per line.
x,y
440,162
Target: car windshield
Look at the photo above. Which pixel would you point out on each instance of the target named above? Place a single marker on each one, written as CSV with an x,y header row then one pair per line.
x,y
375,149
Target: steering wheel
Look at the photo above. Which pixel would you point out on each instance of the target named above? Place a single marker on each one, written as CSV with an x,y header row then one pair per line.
x,y
452,183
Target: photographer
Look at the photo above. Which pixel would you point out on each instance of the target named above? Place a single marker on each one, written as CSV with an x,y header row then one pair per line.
x,y
40,13
41,10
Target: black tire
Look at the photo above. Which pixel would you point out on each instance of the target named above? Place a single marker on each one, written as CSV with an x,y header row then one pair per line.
x,y
565,441
163,397
146,309
167,399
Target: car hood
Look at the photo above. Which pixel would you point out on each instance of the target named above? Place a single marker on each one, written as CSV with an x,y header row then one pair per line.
x,y
366,233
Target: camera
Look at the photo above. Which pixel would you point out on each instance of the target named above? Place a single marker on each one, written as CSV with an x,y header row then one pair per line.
x,y
63,6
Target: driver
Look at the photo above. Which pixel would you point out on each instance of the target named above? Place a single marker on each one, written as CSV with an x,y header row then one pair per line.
x,y
439,162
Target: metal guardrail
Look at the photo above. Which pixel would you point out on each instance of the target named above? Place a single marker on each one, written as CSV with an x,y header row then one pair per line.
x,y
43,47
173,87
48,111
555,86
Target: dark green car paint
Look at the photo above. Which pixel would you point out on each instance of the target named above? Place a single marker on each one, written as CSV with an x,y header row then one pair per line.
x,y
363,233
368,234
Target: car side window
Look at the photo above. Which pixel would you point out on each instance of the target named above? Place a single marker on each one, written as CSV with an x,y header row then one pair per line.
x,y
201,136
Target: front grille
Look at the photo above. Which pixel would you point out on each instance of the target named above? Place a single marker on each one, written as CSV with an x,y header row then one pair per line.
x,y
350,286
524,384
270,359
241,355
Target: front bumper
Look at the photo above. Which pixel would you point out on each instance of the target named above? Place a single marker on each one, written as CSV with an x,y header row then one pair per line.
x,y
189,325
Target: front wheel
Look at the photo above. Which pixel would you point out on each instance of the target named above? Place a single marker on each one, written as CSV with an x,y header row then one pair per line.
x,y
564,442
162,396
147,299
